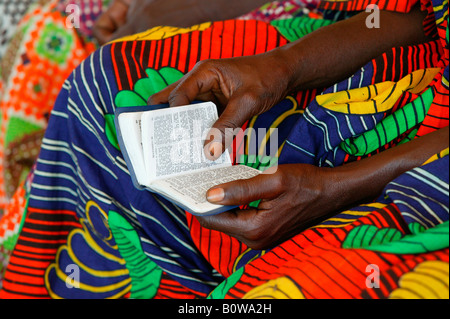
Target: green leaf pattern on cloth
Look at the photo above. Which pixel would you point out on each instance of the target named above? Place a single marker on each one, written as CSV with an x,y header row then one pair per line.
x,y
143,89
145,274
391,241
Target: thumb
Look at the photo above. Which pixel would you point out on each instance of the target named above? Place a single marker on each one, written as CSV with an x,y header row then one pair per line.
x,y
245,191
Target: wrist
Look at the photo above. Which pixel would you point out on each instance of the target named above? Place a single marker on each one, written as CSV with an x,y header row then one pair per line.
x,y
358,182
366,179
300,71
288,64
339,188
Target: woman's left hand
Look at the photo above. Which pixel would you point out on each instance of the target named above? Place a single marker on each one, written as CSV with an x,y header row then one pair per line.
x,y
292,197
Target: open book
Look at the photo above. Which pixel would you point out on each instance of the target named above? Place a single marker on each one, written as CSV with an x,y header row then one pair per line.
x,y
163,149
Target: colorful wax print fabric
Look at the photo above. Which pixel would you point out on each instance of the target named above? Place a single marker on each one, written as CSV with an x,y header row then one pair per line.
x,y
44,50
88,233
11,14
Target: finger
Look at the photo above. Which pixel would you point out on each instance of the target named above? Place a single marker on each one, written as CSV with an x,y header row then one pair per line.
x,y
239,110
162,97
233,223
245,191
199,81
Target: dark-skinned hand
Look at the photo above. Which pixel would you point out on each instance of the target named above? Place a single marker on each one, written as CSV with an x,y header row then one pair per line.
x,y
241,87
297,195
293,197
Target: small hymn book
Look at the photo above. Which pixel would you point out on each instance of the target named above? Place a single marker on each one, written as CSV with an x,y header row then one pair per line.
x,y
163,149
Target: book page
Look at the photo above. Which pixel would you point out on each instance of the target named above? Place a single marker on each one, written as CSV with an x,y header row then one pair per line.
x,y
190,189
130,129
173,140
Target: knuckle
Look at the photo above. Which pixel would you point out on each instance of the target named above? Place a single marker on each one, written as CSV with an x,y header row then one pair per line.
x,y
203,64
243,191
255,235
257,245
251,96
204,222
225,124
173,96
279,180
268,205
153,98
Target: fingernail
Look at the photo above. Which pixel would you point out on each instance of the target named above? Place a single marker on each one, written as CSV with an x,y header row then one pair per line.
x,y
215,149
215,195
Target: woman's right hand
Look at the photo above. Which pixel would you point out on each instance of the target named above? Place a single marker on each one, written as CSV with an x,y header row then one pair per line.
x,y
241,87
127,17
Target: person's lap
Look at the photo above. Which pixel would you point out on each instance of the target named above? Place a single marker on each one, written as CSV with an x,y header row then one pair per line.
x,y
81,178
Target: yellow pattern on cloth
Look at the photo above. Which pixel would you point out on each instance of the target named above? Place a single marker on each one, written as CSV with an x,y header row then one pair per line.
x,y
379,97
429,280
162,32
